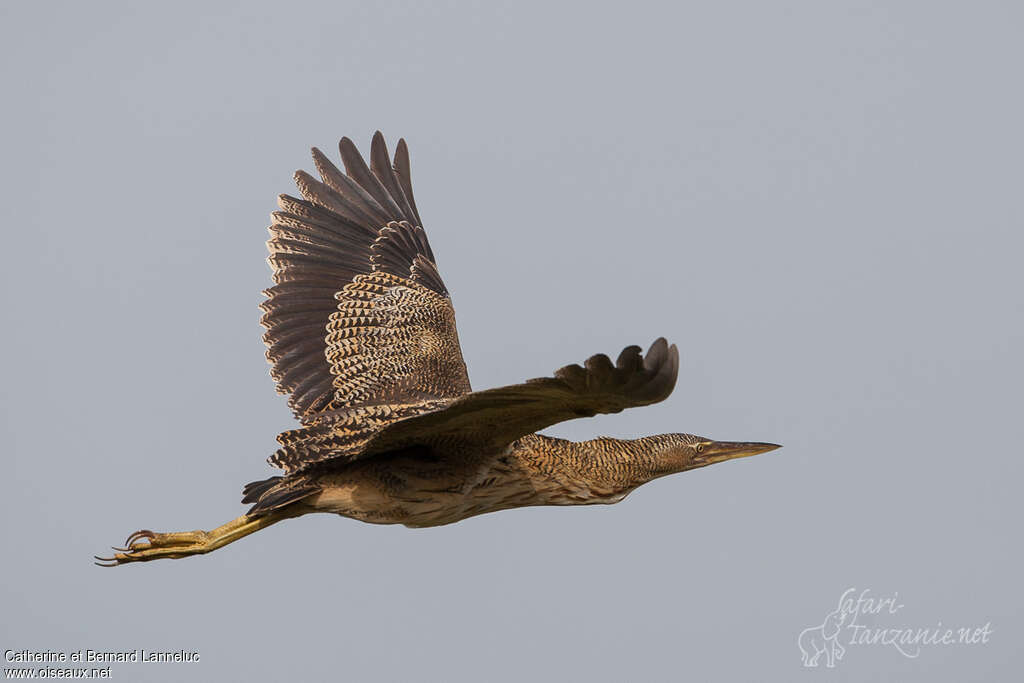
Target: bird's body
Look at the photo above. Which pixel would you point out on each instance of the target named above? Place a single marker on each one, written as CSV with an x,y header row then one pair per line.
x,y
361,334
421,489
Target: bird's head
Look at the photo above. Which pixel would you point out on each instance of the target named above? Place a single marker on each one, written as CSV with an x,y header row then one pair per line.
x,y
682,452
707,452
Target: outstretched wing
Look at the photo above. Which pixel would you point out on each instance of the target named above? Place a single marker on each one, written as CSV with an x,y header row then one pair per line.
x,y
496,417
358,314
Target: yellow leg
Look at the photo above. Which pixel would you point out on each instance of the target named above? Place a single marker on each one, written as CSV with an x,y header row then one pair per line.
x,y
146,545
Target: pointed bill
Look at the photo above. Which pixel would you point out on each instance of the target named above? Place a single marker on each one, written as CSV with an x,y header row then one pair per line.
x,y
720,451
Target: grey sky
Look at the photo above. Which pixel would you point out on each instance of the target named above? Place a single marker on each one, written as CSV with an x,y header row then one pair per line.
x,y
818,202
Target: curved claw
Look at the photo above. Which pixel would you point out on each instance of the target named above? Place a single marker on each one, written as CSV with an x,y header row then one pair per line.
x,y
105,561
140,534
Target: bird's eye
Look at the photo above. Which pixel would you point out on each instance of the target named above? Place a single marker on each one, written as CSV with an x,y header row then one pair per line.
x,y
700,448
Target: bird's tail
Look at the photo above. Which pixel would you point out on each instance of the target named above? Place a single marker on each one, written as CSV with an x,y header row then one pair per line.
x,y
275,493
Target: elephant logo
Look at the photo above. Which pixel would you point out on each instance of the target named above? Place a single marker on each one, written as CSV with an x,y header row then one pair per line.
x,y
823,640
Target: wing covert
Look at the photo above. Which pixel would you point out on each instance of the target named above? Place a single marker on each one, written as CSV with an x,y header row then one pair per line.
x,y
393,340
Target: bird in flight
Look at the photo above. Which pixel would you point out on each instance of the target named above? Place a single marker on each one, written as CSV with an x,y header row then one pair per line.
x,y
360,333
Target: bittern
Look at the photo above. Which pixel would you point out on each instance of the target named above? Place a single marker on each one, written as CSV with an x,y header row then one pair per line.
x,y
361,334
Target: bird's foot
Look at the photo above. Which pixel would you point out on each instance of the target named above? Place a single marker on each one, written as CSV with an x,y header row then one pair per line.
x,y
144,545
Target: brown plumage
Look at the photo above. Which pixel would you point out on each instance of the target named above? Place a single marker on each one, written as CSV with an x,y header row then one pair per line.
x,y
360,333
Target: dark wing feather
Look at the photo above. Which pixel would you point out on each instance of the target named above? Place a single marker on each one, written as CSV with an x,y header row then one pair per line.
x,y
349,225
496,417
382,169
405,179
357,169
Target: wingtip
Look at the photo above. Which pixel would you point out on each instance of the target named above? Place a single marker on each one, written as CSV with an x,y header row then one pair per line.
x,y
347,148
657,353
630,357
401,153
306,184
379,158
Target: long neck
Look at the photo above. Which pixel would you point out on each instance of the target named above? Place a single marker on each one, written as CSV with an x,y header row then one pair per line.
x,y
602,470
